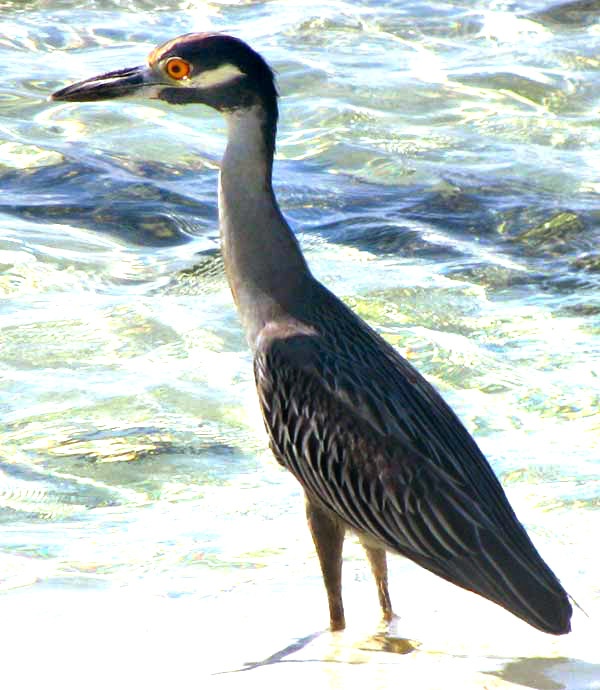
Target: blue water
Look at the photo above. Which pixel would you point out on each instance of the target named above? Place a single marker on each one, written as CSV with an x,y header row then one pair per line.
x,y
439,162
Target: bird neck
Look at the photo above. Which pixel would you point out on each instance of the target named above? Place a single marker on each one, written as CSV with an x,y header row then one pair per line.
x,y
265,267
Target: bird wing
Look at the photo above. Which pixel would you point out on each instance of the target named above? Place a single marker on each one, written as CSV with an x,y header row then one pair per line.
x,y
334,422
380,448
366,376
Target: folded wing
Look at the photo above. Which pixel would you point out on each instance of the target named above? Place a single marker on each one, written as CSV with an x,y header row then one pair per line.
x,y
372,441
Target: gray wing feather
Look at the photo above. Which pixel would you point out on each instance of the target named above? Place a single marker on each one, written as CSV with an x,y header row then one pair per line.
x,y
386,463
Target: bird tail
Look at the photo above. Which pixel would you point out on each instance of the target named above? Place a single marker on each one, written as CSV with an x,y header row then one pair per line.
x,y
493,558
521,583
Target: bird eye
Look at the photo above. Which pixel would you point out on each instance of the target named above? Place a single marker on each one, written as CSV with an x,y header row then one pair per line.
x,y
177,68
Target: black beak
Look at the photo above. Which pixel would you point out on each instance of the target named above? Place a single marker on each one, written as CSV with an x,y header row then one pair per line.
x,y
122,82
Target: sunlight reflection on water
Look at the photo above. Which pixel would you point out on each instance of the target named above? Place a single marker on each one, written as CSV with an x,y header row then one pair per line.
x,y
440,165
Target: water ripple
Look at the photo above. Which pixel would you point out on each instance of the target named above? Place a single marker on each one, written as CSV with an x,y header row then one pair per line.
x,y
439,163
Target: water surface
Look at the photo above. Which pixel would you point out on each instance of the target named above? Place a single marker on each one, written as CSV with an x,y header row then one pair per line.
x,y
439,161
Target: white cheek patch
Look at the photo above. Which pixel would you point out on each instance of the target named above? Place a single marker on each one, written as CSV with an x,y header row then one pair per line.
x,y
216,77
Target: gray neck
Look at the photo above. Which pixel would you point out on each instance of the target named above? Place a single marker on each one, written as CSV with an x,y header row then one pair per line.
x,y
265,268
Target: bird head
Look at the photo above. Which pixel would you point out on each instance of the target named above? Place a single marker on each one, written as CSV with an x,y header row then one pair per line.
x,y
214,69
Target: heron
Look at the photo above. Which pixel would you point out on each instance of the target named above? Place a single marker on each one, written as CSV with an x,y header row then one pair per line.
x,y
376,449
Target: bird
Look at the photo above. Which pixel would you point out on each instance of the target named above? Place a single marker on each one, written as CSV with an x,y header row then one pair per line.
x,y
378,452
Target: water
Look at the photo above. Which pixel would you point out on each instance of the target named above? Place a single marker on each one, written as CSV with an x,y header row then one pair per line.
x,y
440,164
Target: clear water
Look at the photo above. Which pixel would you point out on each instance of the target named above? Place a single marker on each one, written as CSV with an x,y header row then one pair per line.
x,y
440,163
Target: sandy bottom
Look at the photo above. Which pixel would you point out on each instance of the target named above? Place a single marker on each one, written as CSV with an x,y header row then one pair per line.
x,y
269,631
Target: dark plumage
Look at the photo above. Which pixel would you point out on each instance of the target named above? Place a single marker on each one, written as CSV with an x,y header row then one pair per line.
x,y
372,443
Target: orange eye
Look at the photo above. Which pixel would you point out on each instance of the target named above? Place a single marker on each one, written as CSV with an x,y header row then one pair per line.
x,y
177,68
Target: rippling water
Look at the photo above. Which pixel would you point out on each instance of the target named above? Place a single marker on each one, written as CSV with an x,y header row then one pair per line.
x,y
440,162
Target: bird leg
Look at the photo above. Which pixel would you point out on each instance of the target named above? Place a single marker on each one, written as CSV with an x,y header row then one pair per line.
x,y
328,537
377,559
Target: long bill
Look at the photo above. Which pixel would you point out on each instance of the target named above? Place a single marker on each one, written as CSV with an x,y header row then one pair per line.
x,y
116,84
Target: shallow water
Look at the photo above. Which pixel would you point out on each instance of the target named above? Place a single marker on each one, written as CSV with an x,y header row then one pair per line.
x,y
439,162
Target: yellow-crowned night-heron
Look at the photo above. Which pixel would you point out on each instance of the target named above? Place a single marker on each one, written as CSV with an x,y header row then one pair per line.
x,y
376,449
